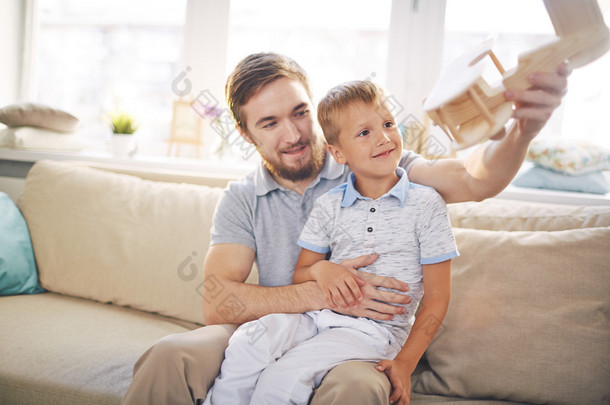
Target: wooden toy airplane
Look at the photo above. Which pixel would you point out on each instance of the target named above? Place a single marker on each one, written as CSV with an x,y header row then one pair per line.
x,y
469,110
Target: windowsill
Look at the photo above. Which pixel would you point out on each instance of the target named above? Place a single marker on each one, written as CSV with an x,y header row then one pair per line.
x,y
230,169
551,196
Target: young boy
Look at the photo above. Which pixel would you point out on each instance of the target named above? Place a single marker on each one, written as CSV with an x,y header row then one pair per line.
x,y
281,358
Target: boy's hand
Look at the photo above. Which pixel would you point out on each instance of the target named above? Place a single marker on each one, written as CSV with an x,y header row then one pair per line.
x,y
340,287
400,378
376,304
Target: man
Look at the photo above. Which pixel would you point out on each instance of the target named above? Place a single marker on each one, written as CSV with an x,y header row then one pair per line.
x,y
260,218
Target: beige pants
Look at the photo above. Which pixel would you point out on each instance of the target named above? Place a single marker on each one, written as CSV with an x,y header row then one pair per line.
x,y
180,368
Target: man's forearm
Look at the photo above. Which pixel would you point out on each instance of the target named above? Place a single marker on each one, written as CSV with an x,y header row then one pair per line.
x,y
492,166
227,301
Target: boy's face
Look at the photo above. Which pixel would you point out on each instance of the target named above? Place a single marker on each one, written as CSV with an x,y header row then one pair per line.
x,y
281,124
369,141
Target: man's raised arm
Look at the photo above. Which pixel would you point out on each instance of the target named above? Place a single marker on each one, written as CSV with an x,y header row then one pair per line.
x,y
492,166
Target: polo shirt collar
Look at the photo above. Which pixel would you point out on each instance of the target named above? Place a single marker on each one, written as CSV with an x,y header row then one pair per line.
x,y
399,190
265,183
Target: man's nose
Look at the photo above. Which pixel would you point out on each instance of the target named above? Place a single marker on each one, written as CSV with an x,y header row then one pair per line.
x,y
292,134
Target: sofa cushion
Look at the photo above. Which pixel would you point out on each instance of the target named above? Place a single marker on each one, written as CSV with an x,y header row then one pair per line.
x,y
38,115
528,319
506,215
569,156
38,138
119,239
64,350
18,273
539,177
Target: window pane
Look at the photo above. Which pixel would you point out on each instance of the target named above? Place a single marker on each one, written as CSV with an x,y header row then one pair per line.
x,y
94,57
334,41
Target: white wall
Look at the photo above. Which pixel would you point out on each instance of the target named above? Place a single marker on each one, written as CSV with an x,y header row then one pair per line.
x,y
11,47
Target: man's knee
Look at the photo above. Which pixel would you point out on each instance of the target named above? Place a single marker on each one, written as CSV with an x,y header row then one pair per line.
x,y
201,347
180,366
353,382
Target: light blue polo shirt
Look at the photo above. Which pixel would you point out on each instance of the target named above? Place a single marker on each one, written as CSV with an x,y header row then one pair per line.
x,y
407,227
268,218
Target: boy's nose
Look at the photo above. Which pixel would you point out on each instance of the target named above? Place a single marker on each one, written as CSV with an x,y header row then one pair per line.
x,y
382,138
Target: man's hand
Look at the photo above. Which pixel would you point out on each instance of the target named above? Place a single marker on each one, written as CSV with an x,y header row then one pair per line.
x,y
400,378
375,303
534,106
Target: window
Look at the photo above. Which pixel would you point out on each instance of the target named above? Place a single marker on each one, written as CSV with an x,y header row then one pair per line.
x,y
93,57
334,41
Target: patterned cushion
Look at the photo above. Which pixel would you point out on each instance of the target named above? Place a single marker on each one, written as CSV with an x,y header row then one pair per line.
x,y
569,156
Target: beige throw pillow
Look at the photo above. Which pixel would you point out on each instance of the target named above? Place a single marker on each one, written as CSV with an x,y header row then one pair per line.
x,y
528,319
119,239
38,115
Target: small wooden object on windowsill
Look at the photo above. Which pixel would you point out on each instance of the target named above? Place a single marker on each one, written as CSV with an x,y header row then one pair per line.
x,y
186,127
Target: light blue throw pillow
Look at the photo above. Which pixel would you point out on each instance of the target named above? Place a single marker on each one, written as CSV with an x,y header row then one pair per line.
x,y
18,273
538,177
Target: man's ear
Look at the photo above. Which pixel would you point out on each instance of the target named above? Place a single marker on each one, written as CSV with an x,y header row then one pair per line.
x,y
244,134
336,152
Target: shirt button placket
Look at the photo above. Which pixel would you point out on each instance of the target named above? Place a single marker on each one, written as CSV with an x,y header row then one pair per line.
x,y
370,226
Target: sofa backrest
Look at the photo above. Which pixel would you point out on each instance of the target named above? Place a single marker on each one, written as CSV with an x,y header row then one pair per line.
x,y
508,215
118,238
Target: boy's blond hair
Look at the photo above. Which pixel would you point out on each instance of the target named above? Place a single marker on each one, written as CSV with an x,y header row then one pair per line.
x,y
339,98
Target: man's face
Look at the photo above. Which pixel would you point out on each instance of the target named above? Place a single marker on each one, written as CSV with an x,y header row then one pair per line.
x,y
281,124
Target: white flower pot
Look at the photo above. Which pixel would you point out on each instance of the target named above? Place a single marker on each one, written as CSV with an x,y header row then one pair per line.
x,y
123,145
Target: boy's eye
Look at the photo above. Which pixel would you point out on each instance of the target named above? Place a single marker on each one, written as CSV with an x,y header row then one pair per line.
x,y
363,133
389,124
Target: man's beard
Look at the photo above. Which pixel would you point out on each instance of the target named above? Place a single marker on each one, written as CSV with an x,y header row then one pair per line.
x,y
310,168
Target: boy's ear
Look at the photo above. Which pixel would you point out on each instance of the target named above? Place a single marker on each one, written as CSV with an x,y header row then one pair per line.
x,y
336,152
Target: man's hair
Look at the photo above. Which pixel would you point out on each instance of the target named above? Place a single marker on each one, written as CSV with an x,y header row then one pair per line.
x,y
255,71
339,98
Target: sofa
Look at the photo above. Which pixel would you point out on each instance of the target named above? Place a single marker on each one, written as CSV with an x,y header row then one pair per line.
x,y
116,264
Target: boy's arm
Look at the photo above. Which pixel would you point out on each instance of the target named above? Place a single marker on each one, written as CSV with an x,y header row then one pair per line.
x,y
375,304
340,287
432,311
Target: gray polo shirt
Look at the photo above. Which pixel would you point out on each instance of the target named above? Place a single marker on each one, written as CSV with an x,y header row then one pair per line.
x,y
407,227
268,218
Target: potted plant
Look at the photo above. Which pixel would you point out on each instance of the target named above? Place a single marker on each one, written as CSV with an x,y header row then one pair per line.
x,y
123,127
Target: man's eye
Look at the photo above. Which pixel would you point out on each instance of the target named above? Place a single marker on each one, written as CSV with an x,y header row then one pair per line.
x,y
363,133
270,125
302,113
